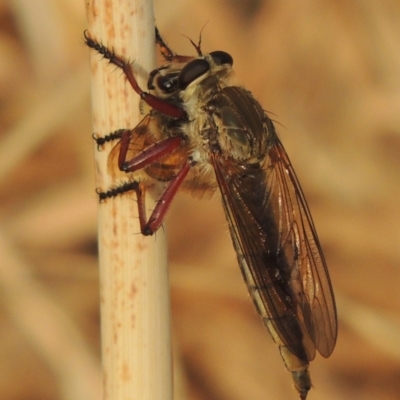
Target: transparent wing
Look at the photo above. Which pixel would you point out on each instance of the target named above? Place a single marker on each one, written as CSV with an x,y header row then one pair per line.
x,y
139,138
279,252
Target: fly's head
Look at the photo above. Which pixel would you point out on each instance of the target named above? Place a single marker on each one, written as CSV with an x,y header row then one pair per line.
x,y
163,81
201,77
188,78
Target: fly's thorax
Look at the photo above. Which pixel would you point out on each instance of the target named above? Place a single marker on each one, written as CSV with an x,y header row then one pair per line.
x,y
238,125
197,81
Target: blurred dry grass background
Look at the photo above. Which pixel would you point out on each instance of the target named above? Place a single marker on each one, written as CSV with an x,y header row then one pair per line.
x,y
329,72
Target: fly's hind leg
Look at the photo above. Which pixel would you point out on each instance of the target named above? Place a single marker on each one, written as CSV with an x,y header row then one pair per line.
x,y
119,190
127,187
111,137
148,227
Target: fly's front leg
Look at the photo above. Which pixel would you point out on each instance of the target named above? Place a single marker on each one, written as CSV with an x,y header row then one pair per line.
x,y
167,53
158,104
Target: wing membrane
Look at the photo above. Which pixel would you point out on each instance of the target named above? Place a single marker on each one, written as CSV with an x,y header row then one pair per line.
x,y
278,251
139,138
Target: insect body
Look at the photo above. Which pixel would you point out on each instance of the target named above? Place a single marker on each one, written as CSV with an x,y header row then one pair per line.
x,y
202,133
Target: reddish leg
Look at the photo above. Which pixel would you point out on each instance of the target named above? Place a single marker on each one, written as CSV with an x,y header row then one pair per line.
x,y
157,216
153,101
163,203
133,186
148,155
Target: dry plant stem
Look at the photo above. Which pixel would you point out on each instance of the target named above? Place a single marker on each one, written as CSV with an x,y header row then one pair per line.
x,y
133,272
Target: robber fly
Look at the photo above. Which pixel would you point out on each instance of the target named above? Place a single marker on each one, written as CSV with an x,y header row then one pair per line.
x,y
199,132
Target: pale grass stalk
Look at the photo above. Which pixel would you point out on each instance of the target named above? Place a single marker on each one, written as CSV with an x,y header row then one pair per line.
x,y
134,288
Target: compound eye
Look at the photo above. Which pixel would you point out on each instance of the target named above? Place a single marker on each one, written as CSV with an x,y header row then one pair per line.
x,y
168,83
221,57
192,71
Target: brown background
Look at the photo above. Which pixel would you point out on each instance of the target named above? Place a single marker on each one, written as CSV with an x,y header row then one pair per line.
x,y
329,73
